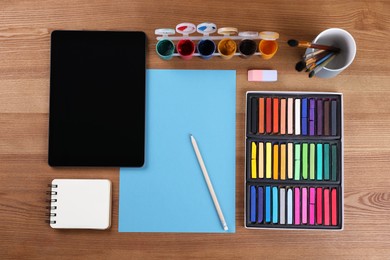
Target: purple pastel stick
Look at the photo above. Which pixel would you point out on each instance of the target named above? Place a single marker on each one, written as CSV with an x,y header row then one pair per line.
x,y
312,105
320,116
260,205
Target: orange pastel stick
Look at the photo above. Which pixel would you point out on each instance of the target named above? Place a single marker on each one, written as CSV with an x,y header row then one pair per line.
x,y
261,115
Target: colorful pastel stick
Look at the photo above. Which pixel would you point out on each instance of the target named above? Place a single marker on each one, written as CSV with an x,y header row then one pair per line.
x,y
276,162
275,205
275,103
312,107
260,214
290,160
290,116
305,161
268,115
326,208
334,117
267,204
304,205
283,161
319,206
326,117
297,162
261,115
326,162
254,115
289,206
254,161
297,116
283,112
312,161
312,206
268,161
253,204
297,206
334,207
282,206
334,162
319,162
304,116
261,160
320,116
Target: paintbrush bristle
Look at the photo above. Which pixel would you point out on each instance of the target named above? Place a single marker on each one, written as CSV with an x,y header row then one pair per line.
x,y
293,43
311,74
300,65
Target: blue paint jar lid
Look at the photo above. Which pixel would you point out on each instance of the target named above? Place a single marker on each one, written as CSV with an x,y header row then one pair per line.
x,y
206,28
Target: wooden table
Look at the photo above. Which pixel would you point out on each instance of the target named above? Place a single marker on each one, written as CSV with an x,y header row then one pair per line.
x,y
25,28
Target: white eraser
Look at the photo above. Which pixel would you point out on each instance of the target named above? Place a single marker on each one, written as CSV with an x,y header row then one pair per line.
x,y
262,75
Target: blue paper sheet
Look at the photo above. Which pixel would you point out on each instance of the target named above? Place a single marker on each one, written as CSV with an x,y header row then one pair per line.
x,y
169,194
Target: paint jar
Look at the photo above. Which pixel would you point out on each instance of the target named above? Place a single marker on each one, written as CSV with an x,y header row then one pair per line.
x,y
206,47
227,47
247,46
268,45
185,47
165,47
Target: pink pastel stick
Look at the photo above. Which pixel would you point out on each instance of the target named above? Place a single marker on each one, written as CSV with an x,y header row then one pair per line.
x,y
312,206
297,207
304,205
326,208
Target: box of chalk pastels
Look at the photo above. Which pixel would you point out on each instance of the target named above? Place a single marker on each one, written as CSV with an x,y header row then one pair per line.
x,y
294,160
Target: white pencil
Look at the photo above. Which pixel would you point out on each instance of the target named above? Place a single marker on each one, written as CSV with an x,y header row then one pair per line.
x,y
209,185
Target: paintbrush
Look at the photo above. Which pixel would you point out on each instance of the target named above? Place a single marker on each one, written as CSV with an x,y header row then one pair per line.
x,y
306,63
305,44
318,68
319,62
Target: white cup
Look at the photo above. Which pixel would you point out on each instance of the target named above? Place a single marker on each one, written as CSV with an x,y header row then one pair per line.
x,y
338,38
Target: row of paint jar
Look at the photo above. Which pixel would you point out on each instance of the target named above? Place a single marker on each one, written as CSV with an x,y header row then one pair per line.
x,y
206,47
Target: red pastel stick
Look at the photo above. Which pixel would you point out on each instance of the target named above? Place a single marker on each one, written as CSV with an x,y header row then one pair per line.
x,y
319,206
268,117
326,208
334,207
276,115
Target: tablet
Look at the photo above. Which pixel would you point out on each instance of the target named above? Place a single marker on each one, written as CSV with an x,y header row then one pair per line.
x,y
97,98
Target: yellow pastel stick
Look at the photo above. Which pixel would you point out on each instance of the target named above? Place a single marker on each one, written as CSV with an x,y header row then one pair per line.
x,y
290,160
268,163
253,160
261,160
276,161
283,161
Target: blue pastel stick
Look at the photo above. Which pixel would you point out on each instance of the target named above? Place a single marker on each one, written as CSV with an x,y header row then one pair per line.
x,y
319,162
275,205
260,213
253,204
304,116
268,204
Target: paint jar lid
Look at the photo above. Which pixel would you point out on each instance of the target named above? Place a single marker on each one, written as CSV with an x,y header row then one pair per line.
x,y
248,34
227,30
206,28
185,28
164,31
270,36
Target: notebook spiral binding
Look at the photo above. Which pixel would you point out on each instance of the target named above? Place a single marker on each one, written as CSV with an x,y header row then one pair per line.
x,y
50,216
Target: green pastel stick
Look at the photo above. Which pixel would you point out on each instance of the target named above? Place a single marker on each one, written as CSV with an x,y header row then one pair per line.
x,y
334,162
312,161
297,162
319,162
304,160
326,162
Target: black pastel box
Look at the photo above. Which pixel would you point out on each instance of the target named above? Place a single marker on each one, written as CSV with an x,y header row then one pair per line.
x,y
294,160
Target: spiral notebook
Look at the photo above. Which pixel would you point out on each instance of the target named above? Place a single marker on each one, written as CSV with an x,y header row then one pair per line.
x,y
80,204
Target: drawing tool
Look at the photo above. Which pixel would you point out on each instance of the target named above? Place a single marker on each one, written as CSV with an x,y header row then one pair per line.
x,y
209,184
261,115
283,161
282,206
275,205
305,162
319,162
304,205
253,204
254,161
290,160
312,161
312,206
297,206
268,161
289,206
290,116
334,162
275,103
267,204
261,160
297,116
326,117
320,116
311,54
319,62
334,207
319,206
260,200
334,117
276,161
326,208
254,115
283,116
268,115
297,162
304,116
326,162
306,44
312,107
321,66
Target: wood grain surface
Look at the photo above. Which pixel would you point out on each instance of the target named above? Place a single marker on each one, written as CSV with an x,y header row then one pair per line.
x,y
25,28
